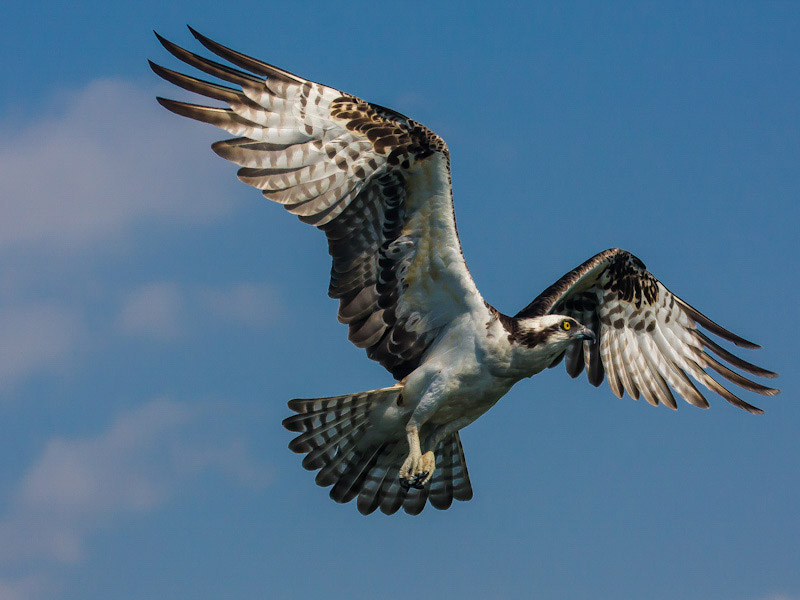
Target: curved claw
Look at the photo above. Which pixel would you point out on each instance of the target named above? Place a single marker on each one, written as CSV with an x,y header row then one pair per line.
x,y
420,479
417,471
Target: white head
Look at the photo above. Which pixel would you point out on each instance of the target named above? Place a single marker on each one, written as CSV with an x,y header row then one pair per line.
x,y
555,332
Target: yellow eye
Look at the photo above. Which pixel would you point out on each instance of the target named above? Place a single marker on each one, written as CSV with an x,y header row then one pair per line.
x,y
566,325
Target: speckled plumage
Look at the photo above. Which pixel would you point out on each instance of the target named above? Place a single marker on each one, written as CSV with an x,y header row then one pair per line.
x,y
648,337
378,185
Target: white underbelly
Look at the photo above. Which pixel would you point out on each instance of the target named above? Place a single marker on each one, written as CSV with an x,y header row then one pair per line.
x,y
455,377
469,397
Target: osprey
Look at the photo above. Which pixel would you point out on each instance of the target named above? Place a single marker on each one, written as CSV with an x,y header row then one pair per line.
x,y
378,185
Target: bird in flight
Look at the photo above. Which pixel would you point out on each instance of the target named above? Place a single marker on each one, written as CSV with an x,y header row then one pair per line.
x,y
377,183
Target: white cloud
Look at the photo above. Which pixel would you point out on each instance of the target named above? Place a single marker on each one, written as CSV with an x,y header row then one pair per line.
x,y
25,588
231,458
153,310
36,337
248,303
43,336
77,183
112,158
164,310
78,486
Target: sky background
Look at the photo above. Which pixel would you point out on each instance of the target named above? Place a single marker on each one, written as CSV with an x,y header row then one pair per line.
x,y
156,314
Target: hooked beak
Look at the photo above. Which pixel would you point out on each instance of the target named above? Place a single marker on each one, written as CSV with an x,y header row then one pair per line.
x,y
586,334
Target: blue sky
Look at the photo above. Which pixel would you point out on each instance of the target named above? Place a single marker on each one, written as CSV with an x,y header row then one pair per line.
x,y
156,314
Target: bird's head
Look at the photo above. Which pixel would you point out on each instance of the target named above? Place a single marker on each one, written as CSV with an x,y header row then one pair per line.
x,y
555,331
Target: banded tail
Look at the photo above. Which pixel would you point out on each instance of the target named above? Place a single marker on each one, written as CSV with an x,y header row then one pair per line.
x,y
337,437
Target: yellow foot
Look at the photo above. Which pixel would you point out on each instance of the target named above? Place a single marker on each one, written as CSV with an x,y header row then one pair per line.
x,y
417,470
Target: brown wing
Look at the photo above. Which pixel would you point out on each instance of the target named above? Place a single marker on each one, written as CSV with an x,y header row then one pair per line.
x,y
376,182
648,340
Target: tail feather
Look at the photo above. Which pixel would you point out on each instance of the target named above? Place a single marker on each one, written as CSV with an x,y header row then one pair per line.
x,y
314,420
369,498
337,465
415,500
333,435
441,495
319,436
392,493
451,482
324,453
350,483
462,486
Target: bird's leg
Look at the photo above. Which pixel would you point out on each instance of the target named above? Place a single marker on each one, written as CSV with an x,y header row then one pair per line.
x,y
418,468
407,478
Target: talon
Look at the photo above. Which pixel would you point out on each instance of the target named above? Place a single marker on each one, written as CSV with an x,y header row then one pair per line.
x,y
406,475
416,471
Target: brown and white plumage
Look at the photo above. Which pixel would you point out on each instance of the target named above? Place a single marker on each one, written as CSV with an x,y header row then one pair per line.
x,y
378,185
330,431
376,182
648,339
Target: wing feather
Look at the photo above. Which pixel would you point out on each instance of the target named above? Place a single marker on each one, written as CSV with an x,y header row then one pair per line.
x,y
376,182
594,363
246,62
199,86
609,363
209,67
648,340
643,376
574,360
656,371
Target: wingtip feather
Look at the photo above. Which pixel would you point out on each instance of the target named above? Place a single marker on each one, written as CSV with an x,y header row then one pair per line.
x,y
166,103
732,358
183,109
244,61
169,46
715,327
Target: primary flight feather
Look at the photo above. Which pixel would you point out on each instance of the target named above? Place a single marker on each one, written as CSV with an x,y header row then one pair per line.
x,y
378,184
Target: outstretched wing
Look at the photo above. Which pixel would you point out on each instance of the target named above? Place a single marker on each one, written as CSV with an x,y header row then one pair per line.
x,y
648,339
376,182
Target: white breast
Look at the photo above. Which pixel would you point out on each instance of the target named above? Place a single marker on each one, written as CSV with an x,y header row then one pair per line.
x,y
466,358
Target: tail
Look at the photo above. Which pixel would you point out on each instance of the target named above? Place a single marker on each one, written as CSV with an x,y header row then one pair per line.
x,y
335,437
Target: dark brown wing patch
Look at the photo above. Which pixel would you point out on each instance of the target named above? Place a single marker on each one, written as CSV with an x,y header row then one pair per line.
x,y
402,140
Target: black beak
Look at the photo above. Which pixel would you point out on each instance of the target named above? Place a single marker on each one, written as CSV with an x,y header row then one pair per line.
x,y
586,334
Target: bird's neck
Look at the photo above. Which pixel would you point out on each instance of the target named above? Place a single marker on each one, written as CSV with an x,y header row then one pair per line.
x,y
513,351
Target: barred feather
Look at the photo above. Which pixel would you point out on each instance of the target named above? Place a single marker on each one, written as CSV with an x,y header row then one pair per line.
x,y
334,437
648,339
376,182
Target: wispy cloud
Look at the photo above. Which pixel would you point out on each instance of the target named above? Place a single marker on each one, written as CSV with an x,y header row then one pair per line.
x,y
106,161
30,587
153,310
37,337
78,187
80,485
252,304
165,310
81,184
49,335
